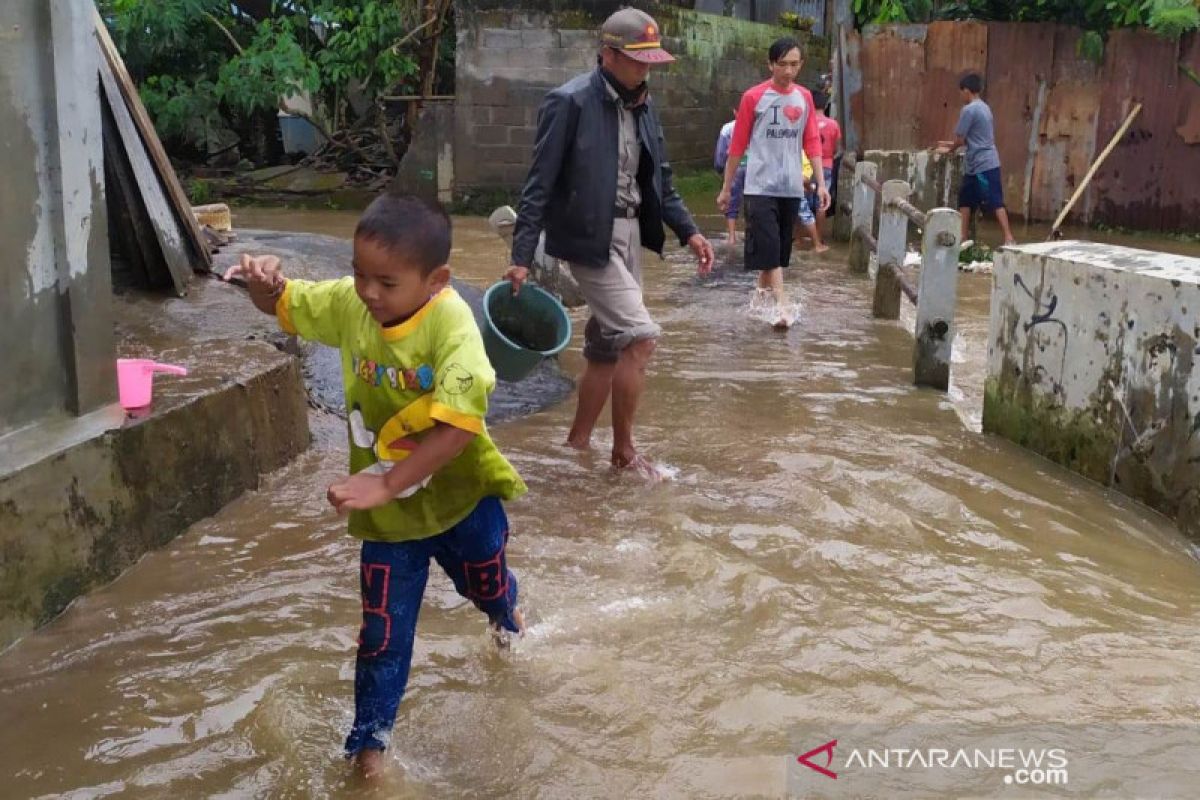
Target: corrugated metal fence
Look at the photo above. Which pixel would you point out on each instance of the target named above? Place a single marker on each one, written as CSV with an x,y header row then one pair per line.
x,y
1054,111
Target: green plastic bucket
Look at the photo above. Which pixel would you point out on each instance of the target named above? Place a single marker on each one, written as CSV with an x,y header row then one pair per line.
x,y
518,332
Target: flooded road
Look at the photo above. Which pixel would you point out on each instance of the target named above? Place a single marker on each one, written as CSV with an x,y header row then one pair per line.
x,y
837,547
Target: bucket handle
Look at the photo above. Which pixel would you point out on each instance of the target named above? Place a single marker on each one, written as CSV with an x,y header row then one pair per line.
x,y
169,369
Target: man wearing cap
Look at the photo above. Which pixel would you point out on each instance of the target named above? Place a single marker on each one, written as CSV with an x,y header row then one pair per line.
x,y
600,186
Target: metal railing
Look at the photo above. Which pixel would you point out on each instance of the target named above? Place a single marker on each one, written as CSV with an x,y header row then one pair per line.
x,y
936,288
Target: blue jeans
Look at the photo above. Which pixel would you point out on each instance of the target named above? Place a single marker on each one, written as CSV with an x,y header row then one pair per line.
x,y
735,194
392,581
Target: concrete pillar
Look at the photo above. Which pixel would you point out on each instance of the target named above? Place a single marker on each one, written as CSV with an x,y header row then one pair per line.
x,y
937,295
893,233
55,295
845,199
862,216
81,226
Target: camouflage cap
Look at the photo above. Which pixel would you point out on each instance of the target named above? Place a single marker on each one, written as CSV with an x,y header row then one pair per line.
x,y
636,34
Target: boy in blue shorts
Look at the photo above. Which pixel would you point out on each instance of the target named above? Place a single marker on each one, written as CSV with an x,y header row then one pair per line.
x,y
981,186
810,205
426,480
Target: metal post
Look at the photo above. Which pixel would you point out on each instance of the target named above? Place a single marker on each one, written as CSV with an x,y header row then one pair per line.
x,y
862,216
936,298
893,233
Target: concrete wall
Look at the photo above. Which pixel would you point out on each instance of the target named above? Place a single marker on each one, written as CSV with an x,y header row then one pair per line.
x,y
55,320
767,11
1092,357
934,179
76,519
508,60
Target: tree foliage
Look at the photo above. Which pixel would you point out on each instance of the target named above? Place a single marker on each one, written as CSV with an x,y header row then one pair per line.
x,y
208,68
1166,17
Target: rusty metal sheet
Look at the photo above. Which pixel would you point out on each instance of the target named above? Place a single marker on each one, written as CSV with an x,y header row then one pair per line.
x,y
1179,201
1067,129
893,65
1189,91
1138,67
851,109
1019,70
951,49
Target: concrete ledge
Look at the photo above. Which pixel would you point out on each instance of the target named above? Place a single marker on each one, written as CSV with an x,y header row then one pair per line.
x,y
1092,354
75,519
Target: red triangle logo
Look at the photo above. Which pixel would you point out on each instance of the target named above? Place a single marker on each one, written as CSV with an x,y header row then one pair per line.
x,y
827,749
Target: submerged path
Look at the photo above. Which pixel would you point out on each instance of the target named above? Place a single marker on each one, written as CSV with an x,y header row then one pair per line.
x,y
837,546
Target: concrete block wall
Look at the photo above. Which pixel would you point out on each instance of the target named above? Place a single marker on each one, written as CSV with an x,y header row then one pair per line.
x,y
934,179
1092,355
508,60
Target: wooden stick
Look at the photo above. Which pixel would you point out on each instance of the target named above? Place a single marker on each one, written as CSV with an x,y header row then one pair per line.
x,y
1137,107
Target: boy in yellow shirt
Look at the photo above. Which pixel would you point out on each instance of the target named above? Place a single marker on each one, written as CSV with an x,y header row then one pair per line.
x,y
426,480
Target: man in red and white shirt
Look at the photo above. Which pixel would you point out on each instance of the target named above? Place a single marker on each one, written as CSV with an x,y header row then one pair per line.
x,y
774,121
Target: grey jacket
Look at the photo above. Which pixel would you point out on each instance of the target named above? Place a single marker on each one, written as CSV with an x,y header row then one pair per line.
x,y
572,185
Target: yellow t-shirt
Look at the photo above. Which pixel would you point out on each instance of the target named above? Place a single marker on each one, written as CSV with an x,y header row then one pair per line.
x,y
400,381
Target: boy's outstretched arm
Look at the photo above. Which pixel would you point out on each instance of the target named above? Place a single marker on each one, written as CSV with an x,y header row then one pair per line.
x,y
263,278
362,491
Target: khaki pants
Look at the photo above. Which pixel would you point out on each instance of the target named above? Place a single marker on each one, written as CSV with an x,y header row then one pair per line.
x,y
614,297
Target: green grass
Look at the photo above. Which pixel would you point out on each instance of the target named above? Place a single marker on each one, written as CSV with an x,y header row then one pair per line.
x,y
699,189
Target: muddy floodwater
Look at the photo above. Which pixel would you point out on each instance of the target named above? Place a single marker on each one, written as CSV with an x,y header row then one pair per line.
x,y
835,546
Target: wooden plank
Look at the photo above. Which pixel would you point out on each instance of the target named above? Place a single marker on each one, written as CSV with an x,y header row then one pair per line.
x,y
132,234
167,229
200,259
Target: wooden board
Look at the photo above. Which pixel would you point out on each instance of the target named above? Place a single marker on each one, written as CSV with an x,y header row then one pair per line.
x,y
167,228
199,257
131,234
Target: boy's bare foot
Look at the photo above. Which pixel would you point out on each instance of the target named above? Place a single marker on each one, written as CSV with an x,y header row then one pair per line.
x,y
369,763
503,636
579,444
821,248
1010,242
